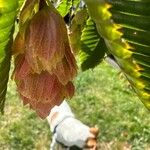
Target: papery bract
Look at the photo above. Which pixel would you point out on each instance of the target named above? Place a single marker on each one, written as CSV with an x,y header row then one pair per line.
x,y
46,40
44,63
44,89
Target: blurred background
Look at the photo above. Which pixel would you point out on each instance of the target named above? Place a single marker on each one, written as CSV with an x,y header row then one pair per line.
x,y
103,98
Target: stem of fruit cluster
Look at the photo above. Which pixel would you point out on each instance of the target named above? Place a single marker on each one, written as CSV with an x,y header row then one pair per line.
x,y
42,4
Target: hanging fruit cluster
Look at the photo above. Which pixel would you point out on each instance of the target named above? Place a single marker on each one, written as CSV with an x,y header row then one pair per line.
x,y
44,62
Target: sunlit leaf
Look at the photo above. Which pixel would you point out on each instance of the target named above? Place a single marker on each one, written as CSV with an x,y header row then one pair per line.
x,y
8,9
77,25
124,25
92,46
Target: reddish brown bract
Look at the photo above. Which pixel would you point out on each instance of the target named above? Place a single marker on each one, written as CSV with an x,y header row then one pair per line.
x,y
45,65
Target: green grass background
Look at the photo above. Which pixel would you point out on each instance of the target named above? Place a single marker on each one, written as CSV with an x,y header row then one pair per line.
x,y
103,98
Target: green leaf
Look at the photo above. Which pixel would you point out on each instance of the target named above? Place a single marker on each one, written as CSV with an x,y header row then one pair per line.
x,y
21,2
64,7
8,10
92,46
124,25
77,25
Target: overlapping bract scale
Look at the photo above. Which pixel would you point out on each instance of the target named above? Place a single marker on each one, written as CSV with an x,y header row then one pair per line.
x,y
45,48
45,65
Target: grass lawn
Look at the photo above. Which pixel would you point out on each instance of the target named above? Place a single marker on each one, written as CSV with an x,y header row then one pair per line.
x,y
103,98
